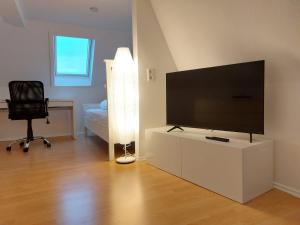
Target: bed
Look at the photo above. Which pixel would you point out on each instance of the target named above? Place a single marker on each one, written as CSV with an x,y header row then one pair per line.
x,y
96,120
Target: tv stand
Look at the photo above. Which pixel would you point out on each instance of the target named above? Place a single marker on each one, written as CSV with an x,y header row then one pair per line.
x,y
236,169
175,127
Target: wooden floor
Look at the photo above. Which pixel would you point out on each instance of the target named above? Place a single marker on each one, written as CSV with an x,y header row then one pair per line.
x,y
73,184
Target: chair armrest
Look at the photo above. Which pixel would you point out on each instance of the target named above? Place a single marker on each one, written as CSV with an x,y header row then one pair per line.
x,y
8,103
9,107
46,104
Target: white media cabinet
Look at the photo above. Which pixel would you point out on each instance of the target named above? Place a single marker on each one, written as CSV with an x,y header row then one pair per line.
x,y
238,169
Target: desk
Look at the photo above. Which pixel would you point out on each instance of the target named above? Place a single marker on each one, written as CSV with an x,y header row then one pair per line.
x,y
55,104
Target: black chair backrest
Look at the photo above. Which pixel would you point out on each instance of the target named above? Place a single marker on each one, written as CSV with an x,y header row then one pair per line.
x,y
26,91
27,100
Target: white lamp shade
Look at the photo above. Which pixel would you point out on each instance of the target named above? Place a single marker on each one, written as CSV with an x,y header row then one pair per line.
x,y
124,97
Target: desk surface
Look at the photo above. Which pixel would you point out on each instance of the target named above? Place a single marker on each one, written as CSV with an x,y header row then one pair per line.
x,y
53,103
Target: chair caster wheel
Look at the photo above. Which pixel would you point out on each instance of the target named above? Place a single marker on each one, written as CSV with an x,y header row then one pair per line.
x,y
25,149
48,145
45,142
21,144
8,148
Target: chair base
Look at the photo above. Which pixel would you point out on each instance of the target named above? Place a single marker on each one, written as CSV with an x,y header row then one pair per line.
x,y
24,142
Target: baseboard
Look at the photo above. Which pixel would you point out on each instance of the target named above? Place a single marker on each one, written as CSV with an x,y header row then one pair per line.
x,y
287,189
141,158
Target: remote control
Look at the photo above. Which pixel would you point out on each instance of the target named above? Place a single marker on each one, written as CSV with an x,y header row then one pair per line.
x,y
217,139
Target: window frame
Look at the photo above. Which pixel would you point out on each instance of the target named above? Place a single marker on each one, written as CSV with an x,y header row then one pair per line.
x,y
83,80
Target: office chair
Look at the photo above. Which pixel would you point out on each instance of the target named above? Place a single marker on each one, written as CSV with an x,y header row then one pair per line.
x,y
27,102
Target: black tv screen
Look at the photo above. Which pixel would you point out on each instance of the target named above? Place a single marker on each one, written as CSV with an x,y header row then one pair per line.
x,y
229,98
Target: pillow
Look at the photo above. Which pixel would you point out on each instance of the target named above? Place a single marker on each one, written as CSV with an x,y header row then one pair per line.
x,y
103,104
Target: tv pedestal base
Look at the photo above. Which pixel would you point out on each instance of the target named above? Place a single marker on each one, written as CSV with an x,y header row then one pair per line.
x,y
175,127
237,169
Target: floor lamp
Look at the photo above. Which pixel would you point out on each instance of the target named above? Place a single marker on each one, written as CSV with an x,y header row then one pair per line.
x,y
124,101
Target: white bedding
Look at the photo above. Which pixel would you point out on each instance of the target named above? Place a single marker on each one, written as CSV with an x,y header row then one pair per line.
x,y
98,116
96,120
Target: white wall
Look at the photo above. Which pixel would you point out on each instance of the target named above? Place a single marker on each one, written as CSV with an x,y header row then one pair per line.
x,y
212,32
151,51
25,55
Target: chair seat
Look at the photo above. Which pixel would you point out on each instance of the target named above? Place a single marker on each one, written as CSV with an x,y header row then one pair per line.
x,y
27,116
25,111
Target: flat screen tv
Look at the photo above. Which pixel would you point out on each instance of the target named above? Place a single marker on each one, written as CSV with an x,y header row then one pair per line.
x,y
228,98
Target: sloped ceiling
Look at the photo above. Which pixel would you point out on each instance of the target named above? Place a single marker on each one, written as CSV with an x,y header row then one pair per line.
x,y
11,12
212,32
112,14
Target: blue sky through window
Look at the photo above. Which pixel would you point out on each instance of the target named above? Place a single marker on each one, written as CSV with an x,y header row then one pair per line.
x,y
72,55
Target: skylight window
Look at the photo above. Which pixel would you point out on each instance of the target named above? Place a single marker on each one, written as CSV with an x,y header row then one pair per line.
x,y
73,61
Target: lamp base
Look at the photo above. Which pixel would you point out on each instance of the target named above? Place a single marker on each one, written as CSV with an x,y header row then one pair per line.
x,y
125,159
